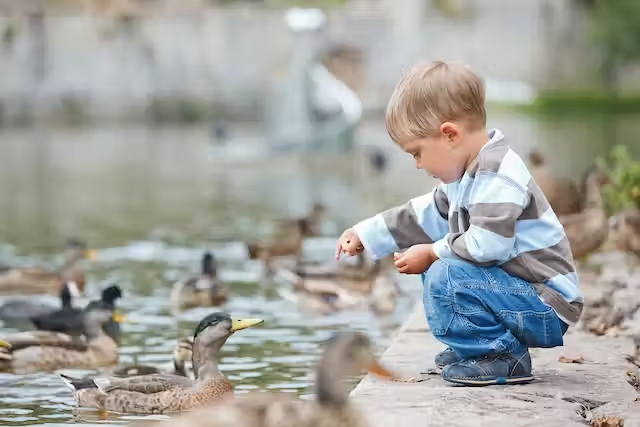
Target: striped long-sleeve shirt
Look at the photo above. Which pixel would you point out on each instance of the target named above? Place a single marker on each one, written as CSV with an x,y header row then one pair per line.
x,y
494,215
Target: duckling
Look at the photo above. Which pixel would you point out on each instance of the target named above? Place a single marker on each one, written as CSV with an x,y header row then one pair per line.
x,y
345,355
204,289
166,393
562,193
26,308
39,280
181,353
289,235
70,321
588,229
625,229
46,351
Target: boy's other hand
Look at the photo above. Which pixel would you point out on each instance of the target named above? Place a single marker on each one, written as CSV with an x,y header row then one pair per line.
x,y
415,260
349,243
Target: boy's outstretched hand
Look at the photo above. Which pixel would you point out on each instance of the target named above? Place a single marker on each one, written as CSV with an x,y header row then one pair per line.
x,y
349,243
415,260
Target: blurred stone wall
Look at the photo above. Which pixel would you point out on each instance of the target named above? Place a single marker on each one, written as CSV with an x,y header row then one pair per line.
x,y
191,63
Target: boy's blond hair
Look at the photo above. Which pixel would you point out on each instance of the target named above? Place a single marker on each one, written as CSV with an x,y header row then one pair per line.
x,y
430,94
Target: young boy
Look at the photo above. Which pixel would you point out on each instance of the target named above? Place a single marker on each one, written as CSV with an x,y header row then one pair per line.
x,y
495,262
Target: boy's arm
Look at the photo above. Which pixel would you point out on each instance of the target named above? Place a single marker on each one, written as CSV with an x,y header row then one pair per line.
x,y
421,220
495,204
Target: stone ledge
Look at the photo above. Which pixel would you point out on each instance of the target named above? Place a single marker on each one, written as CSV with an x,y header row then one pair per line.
x,y
553,399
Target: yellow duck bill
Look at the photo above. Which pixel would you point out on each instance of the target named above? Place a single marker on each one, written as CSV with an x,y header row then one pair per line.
x,y
239,324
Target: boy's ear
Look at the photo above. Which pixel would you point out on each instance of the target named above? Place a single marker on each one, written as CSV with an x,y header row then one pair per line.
x,y
450,131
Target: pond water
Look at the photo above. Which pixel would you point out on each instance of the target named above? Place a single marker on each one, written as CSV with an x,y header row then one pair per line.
x,y
151,199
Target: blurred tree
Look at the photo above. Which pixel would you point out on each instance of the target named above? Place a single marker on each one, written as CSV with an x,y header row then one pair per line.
x,y
617,33
453,9
625,173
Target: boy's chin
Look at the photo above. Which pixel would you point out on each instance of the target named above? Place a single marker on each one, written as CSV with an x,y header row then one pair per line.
x,y
447,181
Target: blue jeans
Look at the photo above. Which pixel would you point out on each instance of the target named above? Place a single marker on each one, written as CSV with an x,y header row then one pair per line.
x,y
481,310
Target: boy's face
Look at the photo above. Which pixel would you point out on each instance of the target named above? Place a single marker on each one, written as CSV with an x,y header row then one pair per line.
x,y
440,156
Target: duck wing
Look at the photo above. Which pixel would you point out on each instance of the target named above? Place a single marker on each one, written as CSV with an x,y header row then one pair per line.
x,y
149,384
135,370
66,320
23,309
22,340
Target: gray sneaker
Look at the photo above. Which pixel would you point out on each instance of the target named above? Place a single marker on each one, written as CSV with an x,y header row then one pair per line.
x,y
492,369
447,357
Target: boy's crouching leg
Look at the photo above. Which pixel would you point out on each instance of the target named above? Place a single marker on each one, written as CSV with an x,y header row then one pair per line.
x,y
460,311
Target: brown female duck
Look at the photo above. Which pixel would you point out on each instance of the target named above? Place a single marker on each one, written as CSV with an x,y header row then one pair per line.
x,y
289,235
326,297
39,280
181,354
562,192
46,351
588,229
347,354
625,230
205,289
165,393
359,277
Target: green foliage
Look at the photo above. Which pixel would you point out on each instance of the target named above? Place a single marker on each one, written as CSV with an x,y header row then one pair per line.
x,y
617,34
294,3
582,103
452,9
625,173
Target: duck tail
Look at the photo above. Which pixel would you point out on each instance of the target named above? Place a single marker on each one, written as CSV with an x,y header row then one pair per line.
x,y
77,384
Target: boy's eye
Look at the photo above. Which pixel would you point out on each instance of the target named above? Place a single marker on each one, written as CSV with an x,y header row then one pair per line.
x,y
415,155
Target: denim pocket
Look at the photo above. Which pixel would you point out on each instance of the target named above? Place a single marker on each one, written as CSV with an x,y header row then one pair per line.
x,y
439,313
534,328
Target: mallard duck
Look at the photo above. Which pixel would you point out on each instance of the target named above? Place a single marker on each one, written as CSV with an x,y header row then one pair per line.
x,y
181,353
47,351
588,229
204,289
165,393
625,228
289,235
26,308
347,354
562,192
70,321
39,280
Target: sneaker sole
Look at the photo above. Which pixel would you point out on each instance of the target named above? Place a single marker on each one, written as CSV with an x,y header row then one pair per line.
x,y
493,381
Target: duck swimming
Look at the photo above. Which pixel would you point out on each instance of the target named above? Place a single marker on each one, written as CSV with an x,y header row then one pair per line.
x,y
204,289
166,393
39,280
181,354
70,320
347,354
47,351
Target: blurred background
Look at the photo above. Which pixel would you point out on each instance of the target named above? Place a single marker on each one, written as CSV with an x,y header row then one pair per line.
x,y
154,130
